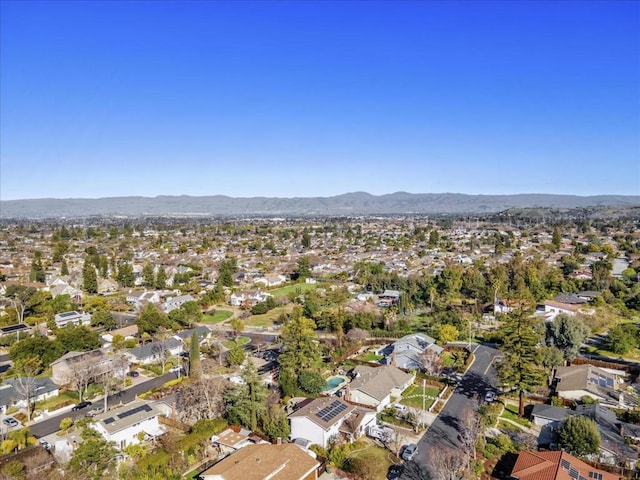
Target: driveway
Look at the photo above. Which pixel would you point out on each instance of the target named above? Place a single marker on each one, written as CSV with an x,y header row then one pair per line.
x,y
444,430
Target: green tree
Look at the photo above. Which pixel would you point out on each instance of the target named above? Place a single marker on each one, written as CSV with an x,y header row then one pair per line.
x,y
187,314
40,347
434,239
77,339
195,368
237,325
89,277
567,333
245,403
125,275
310,382
103,318
161,278
622,338
579,436
64,269
228,267
148,275
306,240
15,470
236,355
556,238
151,319
304,267
37,270
520,368
94,458
448,333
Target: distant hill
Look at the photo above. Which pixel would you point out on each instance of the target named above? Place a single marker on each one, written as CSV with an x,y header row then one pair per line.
x,y
359,203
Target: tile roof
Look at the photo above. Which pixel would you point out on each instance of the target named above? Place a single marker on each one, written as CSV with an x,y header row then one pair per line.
x,y
555,465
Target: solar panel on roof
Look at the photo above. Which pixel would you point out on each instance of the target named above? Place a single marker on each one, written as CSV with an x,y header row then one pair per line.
x,y
565,464
133,411
332,410
573,473
109,420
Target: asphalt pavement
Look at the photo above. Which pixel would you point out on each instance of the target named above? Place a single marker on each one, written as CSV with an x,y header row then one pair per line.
x,y
52,424
444,430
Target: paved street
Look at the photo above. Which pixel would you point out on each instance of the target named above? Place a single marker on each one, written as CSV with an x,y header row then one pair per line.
x,y
52,424
444,430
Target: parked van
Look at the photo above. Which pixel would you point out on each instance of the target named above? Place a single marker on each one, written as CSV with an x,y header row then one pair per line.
x,y
382,433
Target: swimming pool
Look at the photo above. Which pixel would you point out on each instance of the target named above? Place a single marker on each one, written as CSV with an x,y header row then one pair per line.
x,y
334,382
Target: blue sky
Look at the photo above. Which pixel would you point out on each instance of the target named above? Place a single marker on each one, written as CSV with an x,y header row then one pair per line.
x,y
318,98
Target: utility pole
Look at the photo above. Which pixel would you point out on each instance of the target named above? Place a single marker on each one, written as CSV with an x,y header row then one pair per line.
x,y
424,392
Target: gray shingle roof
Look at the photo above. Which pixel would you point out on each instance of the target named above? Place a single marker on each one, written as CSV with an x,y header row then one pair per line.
x,y
379,381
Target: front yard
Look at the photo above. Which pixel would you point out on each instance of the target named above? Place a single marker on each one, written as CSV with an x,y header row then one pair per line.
x,y
217,317
413,396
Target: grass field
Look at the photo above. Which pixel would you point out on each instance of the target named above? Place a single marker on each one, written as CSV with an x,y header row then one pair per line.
x,y
240,341
374,459
511,412
370,357
635,353
304,287
268,318
51,403
219,316
412,396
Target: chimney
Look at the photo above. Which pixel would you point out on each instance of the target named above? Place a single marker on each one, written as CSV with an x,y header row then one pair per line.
x,y
278,440
174,412
347,393
393,359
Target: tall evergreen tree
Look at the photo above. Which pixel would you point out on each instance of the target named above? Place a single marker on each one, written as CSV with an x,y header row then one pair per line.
x,y
89,277
148,274
195,368
521,367
37,270
126,277
161,278
64,269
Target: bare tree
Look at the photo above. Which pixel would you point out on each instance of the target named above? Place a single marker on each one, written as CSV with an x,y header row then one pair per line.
x,y
446,463
357,335
431,363
160,347
470,426
82,374
201,399
26,383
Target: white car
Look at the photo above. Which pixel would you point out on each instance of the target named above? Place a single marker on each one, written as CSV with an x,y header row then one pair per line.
x,y
490,396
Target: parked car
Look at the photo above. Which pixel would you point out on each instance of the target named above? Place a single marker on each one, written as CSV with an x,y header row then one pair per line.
x,y
133,373
94,411
394,473
409,452
81,405
46,445
400,410
10,422
490,396
175,369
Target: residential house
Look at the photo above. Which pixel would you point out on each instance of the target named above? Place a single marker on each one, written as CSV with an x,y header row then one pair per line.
x,y
577,381
325,417
389,298
72,318
18,329
613,448
151,352
248,298
555,465
408,350
271,280
129,332
265,461
175,302
123,425
231,440
12,391
97,362
553,309
107,286
549,416
376,386
204,333
140,298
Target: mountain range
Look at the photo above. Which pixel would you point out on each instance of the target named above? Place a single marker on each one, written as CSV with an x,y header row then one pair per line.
x,y
358,203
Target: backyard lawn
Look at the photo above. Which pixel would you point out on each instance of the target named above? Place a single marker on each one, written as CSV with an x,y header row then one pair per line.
x,y
372,461
370,357
269,318
217,317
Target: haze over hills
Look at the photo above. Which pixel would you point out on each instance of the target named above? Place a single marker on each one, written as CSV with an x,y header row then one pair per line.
x,y
358,203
